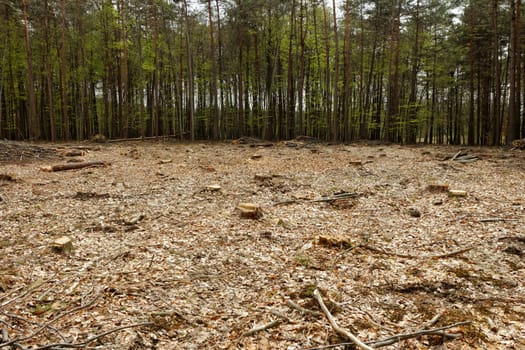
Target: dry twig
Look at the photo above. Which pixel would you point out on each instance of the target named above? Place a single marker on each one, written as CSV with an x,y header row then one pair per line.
x,y
16,317
91,339
35,285
332,198
48,324
73,166
334,324
407,256
303,310
436,331
263,327
497,220
434,319
399,337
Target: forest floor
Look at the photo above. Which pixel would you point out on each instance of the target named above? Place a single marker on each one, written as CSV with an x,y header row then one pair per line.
x,y
162,259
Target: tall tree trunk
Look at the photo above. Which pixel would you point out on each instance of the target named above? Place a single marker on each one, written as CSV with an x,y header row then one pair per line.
x,y
518,53
191,91
433,103
49,77
471,125
391,121
34,129
335,108
412,99
317,94
213,87
2,72
290,115
327,97
239,125
300,80
155,120
378,108
363,106
63,78
363,125
496,116
220,69
124,71
514,117
347,71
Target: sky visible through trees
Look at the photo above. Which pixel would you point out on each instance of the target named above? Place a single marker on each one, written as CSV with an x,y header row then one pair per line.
x,y
407,71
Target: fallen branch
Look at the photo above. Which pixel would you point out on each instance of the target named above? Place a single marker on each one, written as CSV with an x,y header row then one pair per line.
x,y
5,337
520,239
73,166
407,256
454,253
496,220
436,331
302,310
335,197
263,327
35,285
280,315
48,324
16,317
143,138
456,155
434,320
334,324
463,157
383,251
399,337
89,340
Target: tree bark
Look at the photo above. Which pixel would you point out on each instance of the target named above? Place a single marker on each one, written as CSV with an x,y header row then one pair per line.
x,y
335,107
124,91
290,115
34,129
347,71
411,126
392,117
327,97
155,119
300,80
214,96
471,124
63,79
513,126
49,78
496,117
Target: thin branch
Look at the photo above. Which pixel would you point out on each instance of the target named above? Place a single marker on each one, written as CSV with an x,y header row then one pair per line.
x,y
399,337
16,317
434,320
456,155
454,253
47,324
280,315
335,326
436,331
11,292
407,256
36,285
5,337
262,327
89,340
497,220
302,309
345,195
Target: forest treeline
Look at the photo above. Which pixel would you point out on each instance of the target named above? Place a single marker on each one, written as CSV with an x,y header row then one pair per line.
x,y
408,71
